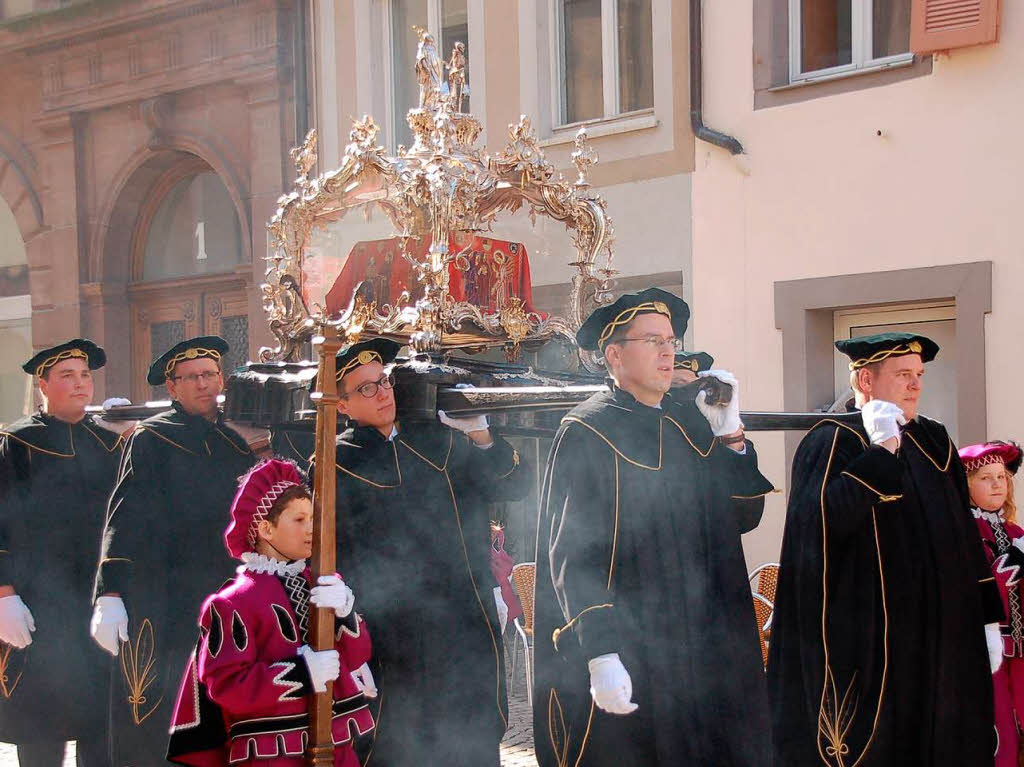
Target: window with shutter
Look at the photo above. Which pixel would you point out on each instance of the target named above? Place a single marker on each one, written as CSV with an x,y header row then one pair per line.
x,y
939,25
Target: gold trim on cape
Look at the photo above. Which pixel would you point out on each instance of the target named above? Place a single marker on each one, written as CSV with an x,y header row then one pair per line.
x,y
499,668
137,661
949,453
882,497
835,717
557,633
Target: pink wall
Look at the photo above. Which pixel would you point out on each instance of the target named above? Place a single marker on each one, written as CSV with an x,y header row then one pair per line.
x,y
819,193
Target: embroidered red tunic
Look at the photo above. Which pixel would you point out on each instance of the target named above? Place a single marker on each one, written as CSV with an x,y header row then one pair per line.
x,y
246,692
998,537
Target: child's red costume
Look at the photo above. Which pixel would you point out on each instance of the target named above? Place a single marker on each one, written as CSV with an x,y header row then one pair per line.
x,y
1004,546
245,696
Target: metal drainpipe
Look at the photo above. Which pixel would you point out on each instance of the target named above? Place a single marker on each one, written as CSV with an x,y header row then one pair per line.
x,y
700,130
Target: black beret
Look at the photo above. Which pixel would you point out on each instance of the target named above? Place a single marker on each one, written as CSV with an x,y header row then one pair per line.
x,y
602,322
82,348
865,350
212,347
380,350
695,361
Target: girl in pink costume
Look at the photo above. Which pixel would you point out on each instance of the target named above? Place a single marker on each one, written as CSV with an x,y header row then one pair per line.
x,y
990,468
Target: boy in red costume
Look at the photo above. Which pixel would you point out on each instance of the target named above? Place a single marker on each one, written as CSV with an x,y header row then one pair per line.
x,y
245,696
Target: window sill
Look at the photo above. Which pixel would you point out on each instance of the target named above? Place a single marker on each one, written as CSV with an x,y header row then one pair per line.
x,y
900,64
609,126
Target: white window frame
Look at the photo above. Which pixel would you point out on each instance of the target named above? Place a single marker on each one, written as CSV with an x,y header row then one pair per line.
x,y
435,16
862,42
609,68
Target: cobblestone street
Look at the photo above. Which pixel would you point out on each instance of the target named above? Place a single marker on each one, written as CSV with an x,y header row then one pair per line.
x,y
517,747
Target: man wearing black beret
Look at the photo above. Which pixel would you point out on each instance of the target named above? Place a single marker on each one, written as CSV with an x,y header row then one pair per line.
x,y
646,644
414,533
57,469
162,551
885,601
688,366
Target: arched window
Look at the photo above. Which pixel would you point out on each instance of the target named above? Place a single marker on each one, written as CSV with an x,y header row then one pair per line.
x,y
194,231
190,256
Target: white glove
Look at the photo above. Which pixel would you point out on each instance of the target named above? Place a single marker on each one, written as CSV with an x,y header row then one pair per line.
x,y
502,608
332,592
723,419
109,624
610,685
465,425
364,681
994,640
324,666
110,402
882,420
16,622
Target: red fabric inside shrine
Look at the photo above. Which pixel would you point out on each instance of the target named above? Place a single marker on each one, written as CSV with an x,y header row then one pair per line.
x,y
486,274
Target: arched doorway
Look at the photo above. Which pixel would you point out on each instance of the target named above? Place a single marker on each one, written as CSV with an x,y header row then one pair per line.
x,y
15,320
189,269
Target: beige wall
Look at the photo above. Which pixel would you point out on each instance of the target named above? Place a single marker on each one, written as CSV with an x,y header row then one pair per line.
x,y
820,193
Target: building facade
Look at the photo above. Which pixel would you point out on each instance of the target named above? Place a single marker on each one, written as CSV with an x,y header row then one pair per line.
x,y
143,145
620,69
876,190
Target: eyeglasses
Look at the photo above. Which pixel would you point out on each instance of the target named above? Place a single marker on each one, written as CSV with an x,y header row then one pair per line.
x,y
193,378
658,342
369,389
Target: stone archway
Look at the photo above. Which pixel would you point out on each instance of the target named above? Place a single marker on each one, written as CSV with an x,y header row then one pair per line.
x,y
155,308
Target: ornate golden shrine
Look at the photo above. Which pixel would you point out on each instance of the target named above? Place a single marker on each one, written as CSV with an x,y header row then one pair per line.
x,y
441,189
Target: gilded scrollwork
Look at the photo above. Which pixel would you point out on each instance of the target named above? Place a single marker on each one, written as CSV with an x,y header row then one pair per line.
x,y
441,190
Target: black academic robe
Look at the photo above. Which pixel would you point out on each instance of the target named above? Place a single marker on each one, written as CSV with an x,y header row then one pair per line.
x,y
639,554
55,479
878,652
164,553
414,544
293,445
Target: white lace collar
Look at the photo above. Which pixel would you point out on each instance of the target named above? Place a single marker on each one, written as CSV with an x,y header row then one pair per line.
x,y
260,563
993,517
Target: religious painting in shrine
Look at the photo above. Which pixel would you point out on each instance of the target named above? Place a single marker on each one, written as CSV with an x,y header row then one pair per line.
x,y
485,272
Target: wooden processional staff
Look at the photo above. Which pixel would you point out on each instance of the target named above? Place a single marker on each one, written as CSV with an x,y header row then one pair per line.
x,y
320,752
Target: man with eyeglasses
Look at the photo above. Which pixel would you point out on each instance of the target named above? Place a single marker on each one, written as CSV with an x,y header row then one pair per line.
x,y
162,551
413,538
57,468
646,645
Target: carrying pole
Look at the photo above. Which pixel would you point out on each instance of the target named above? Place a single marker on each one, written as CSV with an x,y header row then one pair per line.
x,y
320,752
